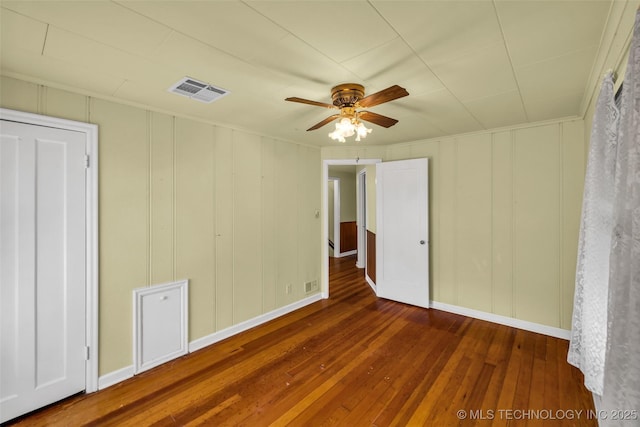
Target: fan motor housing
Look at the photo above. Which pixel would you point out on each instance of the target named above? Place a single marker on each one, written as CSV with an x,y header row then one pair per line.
x,y
347,94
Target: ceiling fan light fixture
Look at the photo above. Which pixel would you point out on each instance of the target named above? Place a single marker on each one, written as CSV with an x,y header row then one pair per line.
x,y
347,127
349,99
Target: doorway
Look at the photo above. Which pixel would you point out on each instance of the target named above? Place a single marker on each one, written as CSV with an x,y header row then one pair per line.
x,y
342,212
48,259
325,215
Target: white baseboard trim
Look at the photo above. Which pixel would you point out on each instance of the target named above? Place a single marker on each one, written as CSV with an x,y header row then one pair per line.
x,y
343,254
370,282
503,320
248,324
358,265
127,372
115,377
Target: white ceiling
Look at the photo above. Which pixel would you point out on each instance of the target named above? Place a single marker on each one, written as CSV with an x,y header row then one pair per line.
x,y
468,65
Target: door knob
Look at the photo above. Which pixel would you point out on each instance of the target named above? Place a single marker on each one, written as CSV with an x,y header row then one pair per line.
x,y
422,242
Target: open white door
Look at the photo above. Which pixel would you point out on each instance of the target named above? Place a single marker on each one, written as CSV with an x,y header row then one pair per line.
x,y
42,266
402,240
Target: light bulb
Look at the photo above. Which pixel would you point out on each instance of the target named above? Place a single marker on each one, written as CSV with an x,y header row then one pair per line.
x,y
347,127
362,131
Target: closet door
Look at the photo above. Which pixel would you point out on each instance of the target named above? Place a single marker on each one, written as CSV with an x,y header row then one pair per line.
x,y
42,266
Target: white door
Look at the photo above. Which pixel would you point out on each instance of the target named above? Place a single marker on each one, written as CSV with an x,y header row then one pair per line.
x,y
402,239
42,266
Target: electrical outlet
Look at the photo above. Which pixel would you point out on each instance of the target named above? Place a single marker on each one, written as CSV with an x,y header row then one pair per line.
x,y
289,288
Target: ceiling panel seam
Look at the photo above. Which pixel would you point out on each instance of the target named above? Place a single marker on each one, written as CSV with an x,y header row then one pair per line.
x,y
44,41
185,35
513,71
428,67
295,36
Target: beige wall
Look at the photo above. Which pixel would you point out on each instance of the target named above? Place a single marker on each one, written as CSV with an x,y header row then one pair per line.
x,y
348,210
504,217
231,211
234,213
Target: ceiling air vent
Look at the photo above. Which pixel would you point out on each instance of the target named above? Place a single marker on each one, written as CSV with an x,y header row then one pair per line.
x,y
198,90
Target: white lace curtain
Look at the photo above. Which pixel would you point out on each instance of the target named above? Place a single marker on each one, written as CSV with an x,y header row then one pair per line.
x,y
589,331
608,275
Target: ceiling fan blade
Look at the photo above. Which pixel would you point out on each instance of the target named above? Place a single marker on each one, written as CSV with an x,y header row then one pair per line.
x,y
378,119
306,101
385,95
324,122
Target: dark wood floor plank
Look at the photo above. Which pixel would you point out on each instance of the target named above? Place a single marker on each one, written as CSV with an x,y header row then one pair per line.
x,y
350,360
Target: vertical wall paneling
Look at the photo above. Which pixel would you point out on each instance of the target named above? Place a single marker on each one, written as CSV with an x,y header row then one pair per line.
x,y
161,182
399,152
19,95
151,180
505,215
373,152
371,256
66,105
123,149
224,228
309,175
286,229
268,226
362,151
537,226
473,222
446,290
502,224
247,226
172,193
430,150
573,170
303,214
348,236
194,221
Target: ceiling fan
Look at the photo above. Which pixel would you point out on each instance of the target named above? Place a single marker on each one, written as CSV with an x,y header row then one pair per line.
x,y
349,99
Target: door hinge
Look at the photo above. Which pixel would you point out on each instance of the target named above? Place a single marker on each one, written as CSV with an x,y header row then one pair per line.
x,y
86,161
87,353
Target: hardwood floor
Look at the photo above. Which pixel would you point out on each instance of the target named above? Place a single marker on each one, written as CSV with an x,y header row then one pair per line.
x,y
351,360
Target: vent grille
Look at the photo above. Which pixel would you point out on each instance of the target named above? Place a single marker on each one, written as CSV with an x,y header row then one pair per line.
x,y
311,286
200,91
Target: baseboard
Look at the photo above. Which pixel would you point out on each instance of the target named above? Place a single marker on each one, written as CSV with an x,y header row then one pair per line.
x,y
370,282
248,324
503,320
343,254
125,373
115,377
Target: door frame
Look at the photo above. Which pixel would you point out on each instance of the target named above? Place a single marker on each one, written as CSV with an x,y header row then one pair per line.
x,y
336,216
361,214
324,247
91,230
